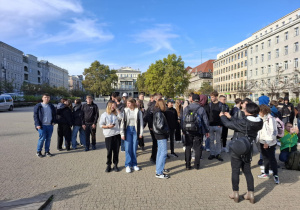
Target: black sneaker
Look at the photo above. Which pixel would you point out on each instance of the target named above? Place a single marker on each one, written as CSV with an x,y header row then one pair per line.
x,y
108,169
162,176
173,155
260,162
166,171
93,147
116,169
188,168
219,158
211,157
168,157
48,154
197,167
152,161
39,154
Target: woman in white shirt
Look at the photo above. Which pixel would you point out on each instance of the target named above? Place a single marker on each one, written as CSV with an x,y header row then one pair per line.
x,y
131,129
111,131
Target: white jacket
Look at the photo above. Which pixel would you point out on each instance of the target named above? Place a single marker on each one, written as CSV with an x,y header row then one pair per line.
x,y
268,134
137,112
109,119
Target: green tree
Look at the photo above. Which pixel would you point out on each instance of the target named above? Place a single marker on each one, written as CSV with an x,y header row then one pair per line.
x,y
99,79
167,76
140,83
77,93
206,88
6,86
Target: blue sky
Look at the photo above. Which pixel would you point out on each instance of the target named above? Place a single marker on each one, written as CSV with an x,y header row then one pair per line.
x,y
74,33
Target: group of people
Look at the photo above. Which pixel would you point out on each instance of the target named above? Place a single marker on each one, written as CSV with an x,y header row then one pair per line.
x,y
192,122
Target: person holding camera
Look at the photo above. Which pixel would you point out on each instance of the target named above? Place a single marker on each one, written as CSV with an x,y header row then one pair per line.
x,y
247,126
109,121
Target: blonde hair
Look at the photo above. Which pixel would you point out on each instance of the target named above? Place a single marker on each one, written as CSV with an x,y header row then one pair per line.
x,y
108,108
161,104
178,107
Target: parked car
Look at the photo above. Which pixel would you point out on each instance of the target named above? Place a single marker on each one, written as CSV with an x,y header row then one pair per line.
x,y
6,102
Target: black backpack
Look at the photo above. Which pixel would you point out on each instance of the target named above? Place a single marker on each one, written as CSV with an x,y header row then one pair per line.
x,y
192,121
294,161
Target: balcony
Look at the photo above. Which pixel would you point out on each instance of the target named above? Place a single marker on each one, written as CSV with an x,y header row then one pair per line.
x,y
125,87
205,75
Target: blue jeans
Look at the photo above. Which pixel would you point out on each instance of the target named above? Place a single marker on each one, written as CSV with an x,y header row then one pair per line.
x,y
44,136
161,155
131,144
122,145
207,142
77,128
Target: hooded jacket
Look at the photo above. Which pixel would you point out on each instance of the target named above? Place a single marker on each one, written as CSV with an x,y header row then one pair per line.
x,y
202,113
63,114
77,115
160,125
286,112
172,118
264,100
148,118
38,114
90,114
204,103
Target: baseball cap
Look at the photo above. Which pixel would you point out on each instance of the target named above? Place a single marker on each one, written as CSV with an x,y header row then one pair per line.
x,y
196,97
124,94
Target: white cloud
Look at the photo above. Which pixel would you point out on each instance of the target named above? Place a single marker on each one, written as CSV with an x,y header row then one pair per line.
x,y
80,30
157,38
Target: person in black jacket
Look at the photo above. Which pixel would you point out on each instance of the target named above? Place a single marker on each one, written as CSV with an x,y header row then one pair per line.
x,y
64,121
90,115
204,103
44,116
179,111
77,124
172,118
224,135
193,139
249,124
287,111
161,132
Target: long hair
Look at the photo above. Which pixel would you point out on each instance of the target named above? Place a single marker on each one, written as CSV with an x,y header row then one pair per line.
x,y
140,103
178,107
161,105
108,108
131,100
70,104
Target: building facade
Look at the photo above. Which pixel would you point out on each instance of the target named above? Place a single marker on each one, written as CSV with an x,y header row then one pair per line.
x,y
32,70
11,65
201,74
126,82
75,82
58,77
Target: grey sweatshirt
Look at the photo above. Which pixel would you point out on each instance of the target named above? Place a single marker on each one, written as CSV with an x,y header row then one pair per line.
x,y
109,119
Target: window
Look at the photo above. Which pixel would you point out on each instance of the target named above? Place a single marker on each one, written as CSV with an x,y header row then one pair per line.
x,y
262,70
269,81
285,79
296,79
256,59
296,46
296,31
286,65
283,23
262,46
246,73
256,72
238,75
238,65
286,35
242,74
286,50
245,62
242,54
271,29
277,39
277,66
238,55
242,64
296,62
269,68
256,48
251,62
269,55
277,53
262,57
269,43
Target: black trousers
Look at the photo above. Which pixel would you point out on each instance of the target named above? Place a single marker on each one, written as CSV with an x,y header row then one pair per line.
x,y
269,159
141,141
154,146
63,130
172,134
113,146
195,142
224,135
89,131
236,164
178,132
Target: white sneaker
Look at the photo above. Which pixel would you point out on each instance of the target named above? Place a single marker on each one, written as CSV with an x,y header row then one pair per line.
x,y
270,171
262,167
183,148
279,143
207,150
193,157
128,169
136,168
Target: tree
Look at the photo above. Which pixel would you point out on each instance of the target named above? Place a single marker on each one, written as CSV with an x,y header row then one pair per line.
x,y
77,93
99,79
6,86
167,76
140,83
206,88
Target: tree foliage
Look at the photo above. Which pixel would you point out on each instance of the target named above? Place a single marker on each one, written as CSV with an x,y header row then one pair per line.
x,y
6,86
167,76
206,88
99,79
140,83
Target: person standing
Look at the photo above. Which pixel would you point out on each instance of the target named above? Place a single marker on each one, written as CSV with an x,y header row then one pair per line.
x,y
195,138
188,101
140,106
161,132
90,115
225,108
131,128
172,120
204,103
64,121
215,127
287,111
236,110
267,139
77,124
179,111
109,121
250,125
44,116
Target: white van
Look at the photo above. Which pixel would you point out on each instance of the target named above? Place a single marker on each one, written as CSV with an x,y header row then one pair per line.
x,y
6,102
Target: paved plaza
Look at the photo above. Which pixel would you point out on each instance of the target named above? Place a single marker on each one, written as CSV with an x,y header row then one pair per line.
x,y
77,179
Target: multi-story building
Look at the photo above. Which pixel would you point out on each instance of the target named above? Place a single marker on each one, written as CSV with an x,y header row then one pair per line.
x,y
45,71
126,81
58,77
230,71
11,65
201,74
75,82
32,70
274,57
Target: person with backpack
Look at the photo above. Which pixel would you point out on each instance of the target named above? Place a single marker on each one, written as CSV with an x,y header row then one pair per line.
x,y
172,120
77,124
215,127
195,125
187,102
267,138
288,143
248,126
225,108
161,132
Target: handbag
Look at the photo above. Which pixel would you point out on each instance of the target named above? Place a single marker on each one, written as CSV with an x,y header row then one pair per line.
x,y
241,145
